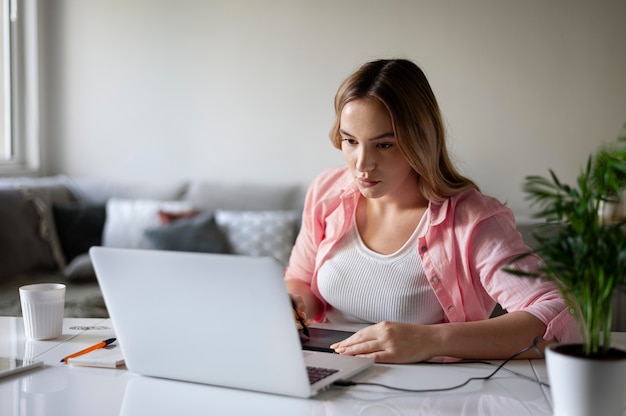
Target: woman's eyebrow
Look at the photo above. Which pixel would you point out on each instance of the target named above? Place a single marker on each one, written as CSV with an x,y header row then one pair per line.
x,y
377,137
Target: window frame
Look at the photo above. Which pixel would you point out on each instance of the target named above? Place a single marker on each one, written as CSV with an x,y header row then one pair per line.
x,y
22,125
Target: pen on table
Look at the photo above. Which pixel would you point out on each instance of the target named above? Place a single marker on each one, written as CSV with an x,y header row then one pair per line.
x,y
305,330
99,345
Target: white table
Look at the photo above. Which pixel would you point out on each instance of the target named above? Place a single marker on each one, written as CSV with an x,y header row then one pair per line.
x,y
58,389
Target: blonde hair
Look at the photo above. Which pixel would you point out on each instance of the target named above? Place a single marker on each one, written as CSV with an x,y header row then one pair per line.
x,y
403,89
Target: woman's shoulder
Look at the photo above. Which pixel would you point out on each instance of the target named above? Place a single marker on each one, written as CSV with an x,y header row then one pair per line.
x,y
474,197
327,191
338,175
478,206
332,181
471,204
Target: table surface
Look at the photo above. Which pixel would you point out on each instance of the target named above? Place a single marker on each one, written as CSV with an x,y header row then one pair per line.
x,y
58,389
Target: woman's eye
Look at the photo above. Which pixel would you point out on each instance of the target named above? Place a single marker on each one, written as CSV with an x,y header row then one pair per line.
x,y
384,145
349,140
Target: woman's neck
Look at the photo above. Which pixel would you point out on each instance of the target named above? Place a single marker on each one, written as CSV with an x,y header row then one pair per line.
x,y
406,198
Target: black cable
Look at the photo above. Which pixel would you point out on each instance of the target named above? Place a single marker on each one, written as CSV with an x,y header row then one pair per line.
x,y
348,383
515,373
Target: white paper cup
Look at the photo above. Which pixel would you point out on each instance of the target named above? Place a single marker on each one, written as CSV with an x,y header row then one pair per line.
x,y
42,308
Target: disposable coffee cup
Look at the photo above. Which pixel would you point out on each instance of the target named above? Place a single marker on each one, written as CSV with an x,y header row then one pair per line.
x,y
43,305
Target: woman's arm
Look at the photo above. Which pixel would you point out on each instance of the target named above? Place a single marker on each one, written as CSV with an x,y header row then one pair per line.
x,y
497,338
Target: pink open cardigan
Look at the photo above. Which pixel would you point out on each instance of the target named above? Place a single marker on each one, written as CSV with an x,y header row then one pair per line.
x,y
469,238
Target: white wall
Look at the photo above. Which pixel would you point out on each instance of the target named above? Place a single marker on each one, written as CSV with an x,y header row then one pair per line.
x,y
242,90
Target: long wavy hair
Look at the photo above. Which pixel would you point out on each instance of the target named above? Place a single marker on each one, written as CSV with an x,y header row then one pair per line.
x,y
401,86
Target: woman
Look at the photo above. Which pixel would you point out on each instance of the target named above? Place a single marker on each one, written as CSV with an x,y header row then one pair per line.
x,y
400,239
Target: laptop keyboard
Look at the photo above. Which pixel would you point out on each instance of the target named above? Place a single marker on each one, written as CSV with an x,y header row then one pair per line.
x,y
318,373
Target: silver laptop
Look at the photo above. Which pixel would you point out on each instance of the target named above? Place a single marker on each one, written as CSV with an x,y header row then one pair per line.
x,y
217,319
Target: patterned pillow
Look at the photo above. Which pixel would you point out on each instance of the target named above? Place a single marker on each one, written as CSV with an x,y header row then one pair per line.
x,y
259,233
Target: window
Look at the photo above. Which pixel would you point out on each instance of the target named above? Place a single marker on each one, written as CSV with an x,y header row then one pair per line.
x,y
7,148
19,88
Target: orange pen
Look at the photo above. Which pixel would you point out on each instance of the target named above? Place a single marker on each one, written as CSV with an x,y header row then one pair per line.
x,y
89,349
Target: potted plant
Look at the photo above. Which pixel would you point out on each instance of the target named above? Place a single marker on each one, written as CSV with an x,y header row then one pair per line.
x,y
582,245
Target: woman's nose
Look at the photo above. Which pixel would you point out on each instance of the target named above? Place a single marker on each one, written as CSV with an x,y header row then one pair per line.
x,y
365,161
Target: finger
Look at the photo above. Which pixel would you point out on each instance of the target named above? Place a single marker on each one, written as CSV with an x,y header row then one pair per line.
x,y
300,320
360,336
298,305
299,314
366,349
357,344
298,324
374,349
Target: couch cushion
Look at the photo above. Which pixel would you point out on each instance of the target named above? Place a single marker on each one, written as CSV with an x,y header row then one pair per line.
x,y
209,196
259,233
197,234
53,189
44,192
99,191
127,220
24,235
79,227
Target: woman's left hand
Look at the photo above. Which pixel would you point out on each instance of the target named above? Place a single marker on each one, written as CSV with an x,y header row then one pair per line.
x,y
390,342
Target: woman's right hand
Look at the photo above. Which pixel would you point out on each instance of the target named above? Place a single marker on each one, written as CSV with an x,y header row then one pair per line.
x,y
299,311
305,304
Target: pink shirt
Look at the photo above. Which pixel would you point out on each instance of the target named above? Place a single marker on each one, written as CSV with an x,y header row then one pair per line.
x,y
470,237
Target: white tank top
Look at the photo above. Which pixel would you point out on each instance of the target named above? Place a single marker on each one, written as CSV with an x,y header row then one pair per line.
x,y
363,286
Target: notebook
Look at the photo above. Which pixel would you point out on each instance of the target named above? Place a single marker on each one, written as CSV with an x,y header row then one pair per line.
x,y
108,357
224,320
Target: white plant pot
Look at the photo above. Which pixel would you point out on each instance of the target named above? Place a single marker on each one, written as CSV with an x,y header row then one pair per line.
x,y
586,386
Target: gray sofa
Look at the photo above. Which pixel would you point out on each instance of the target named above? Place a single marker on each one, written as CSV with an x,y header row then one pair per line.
x,y
48,224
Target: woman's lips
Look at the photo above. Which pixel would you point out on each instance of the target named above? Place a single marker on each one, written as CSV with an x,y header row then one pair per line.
x,y
366,183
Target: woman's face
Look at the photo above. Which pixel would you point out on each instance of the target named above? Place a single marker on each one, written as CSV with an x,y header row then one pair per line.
x,y
370,148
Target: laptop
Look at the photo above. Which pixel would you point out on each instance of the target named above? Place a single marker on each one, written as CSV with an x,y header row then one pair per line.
x,y
223,320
